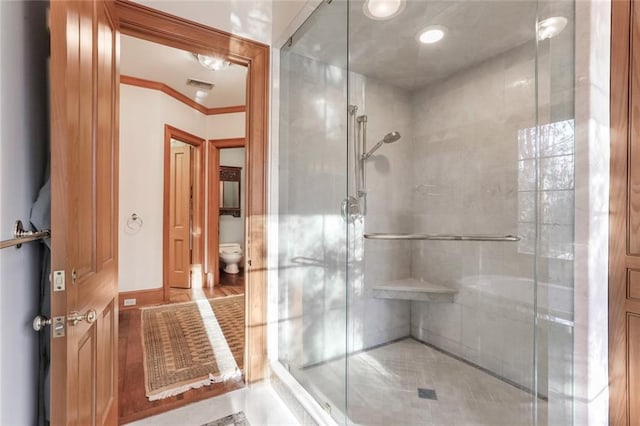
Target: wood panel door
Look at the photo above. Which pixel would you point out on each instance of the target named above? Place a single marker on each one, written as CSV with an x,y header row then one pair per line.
x,y
624,238
180,216
84,185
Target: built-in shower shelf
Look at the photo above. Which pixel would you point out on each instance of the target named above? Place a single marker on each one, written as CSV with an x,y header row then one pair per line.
x,y
414,289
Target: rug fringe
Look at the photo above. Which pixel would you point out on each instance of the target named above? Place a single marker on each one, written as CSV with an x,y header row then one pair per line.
x,y
218,378
177,391
223,377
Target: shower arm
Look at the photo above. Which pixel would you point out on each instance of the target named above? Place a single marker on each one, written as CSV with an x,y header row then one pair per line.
x,y
371,151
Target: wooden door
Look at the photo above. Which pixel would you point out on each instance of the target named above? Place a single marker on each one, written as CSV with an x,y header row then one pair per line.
x,y
624,238
84,185
180,218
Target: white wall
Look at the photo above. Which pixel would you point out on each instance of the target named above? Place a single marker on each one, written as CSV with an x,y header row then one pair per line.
x,y
226,126
143,114
593,32
232,228
23,150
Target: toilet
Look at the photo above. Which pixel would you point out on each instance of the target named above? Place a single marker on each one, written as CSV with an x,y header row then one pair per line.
x,y
230,255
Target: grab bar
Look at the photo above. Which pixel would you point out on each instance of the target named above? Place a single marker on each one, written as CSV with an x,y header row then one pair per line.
x,y
20,236
440,237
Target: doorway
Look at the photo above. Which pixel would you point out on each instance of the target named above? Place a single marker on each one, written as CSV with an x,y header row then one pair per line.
x,y
188,255
227,158
194,318
183,210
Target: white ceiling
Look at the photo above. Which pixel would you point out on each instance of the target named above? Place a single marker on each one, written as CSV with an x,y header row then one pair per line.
x,y
151,61
388,50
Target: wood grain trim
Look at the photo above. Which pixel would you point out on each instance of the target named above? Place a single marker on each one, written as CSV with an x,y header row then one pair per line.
x,y
156,26
159,27
226,110
154,296
155,85
61,172
171,132
214,214
228,143
618,203
170,91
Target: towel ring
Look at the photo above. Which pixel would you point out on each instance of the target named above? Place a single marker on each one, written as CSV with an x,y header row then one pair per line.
x,y
134,223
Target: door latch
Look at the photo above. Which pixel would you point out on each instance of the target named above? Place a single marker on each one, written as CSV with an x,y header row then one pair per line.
x,y
90,316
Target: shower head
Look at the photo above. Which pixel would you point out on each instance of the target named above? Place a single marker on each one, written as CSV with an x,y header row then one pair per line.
x,y
391,137
388,138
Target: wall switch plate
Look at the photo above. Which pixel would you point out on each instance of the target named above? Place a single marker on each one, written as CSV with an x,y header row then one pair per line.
x,y
129,302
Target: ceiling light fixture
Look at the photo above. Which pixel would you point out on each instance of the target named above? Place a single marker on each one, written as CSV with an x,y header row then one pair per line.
x,y
381,10
432,34
551,27
211,62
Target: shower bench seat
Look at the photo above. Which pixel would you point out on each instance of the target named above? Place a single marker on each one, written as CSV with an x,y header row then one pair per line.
x,y
414,289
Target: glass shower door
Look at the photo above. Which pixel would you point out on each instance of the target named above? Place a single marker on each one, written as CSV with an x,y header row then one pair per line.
x,y
312,234
426,211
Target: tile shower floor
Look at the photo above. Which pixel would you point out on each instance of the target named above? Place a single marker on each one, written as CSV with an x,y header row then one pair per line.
x,y
396,384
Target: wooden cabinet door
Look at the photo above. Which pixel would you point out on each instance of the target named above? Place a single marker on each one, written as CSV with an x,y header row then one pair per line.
x,y
624,238
84,184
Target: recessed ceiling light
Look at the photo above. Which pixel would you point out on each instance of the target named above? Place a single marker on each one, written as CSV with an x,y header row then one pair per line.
x,y
432,34
383,9
211,62
551,27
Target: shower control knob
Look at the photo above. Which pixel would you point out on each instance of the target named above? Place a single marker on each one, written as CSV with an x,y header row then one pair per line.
x,y
350,209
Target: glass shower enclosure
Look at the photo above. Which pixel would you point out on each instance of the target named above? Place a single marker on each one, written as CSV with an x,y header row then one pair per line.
x,y
426,209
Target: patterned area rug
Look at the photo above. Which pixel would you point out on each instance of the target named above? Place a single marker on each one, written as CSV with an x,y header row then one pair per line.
x,y
237,419
192,344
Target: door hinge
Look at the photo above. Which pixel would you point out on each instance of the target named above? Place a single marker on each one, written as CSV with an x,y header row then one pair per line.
x,y
74,276
58,281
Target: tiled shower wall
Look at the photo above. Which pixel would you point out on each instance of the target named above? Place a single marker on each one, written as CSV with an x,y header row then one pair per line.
x,y
481,172
388,175
470,182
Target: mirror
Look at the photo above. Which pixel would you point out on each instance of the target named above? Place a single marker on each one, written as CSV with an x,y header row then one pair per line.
x,y
230,190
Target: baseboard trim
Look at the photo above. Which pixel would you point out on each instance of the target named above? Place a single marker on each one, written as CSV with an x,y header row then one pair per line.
x,y
154,296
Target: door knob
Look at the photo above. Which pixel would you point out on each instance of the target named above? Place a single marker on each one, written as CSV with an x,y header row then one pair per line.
x,y
74,317
40,322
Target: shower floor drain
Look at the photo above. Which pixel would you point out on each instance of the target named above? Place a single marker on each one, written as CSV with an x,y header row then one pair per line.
x,y
427,394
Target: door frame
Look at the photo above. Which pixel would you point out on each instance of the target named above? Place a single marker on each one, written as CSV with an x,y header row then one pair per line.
x,y
149,24
171,132
215,145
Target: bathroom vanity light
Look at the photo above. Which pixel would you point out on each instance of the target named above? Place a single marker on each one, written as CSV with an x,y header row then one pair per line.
x,y
211,62
551,27
383,9
432,34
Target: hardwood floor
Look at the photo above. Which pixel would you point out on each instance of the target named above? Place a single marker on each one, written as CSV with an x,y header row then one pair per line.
x,y
230,284
133,404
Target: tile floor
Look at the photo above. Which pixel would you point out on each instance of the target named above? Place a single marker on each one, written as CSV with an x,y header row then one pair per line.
x,y
259,403
384,382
